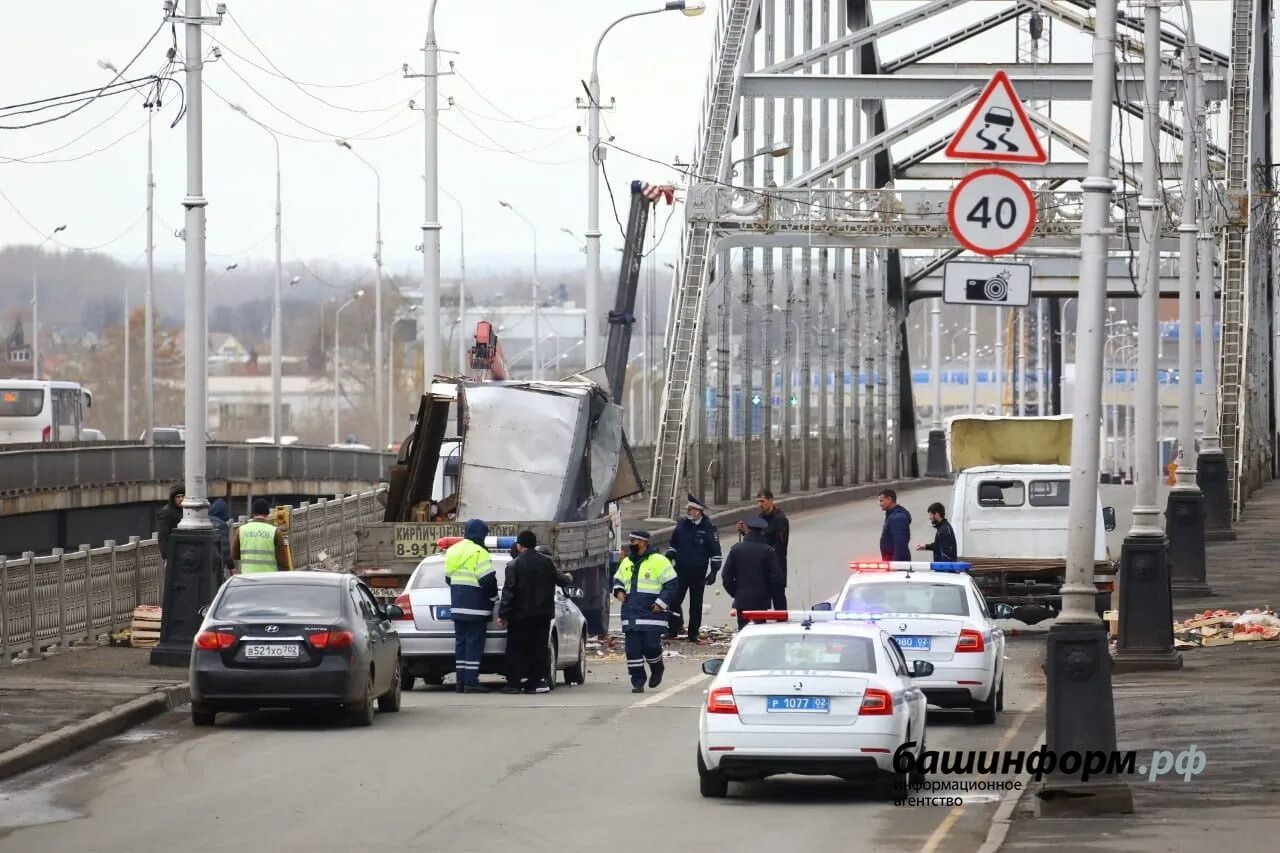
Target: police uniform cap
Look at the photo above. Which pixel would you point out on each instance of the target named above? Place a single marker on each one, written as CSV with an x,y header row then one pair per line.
x,y
755,522
694,503
642,535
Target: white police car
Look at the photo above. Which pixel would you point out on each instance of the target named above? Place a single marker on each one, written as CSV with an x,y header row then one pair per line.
x,y
936,613
803,693
425,625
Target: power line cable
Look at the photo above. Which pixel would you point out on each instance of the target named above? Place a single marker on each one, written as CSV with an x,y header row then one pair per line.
x,y
507,116
500,150
50,237
283,76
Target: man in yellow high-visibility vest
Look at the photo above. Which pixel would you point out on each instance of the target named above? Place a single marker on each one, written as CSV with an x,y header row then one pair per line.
x,y
259,546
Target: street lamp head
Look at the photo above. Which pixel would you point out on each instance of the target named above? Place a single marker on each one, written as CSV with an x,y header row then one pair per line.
x,y
359,293
780,149
295,280
230,267
107,66
342,143
504,204
59,228
691,8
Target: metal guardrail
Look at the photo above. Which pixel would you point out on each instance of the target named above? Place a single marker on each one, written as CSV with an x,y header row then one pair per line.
x,y
77,597
56,469
65,598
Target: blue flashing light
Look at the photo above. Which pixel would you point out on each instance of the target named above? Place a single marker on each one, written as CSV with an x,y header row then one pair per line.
x,y
504,542
954,568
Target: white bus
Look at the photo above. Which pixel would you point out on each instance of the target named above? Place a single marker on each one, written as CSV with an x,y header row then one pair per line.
x,y
33,411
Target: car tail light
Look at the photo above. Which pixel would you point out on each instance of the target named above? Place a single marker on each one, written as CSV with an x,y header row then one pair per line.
x,y
402,601
970,641
876,703
331,640
721,701
212,641
46,434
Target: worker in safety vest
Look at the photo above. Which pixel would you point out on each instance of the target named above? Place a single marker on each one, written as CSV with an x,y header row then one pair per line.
x,y
259,545
646,584
473,588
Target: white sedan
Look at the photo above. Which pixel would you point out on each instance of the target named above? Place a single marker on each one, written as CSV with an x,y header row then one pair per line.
x,y
426,630
936,614
812,696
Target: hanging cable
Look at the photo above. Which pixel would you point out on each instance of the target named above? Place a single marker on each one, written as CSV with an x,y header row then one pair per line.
x,y
283,76
50,238
530,123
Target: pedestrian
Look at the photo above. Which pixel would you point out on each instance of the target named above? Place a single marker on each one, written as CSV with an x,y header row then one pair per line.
x,y
895,536
695,549
167,519
473,587
220,518
259,545
646,585
777,535
943,545
526,608
753,573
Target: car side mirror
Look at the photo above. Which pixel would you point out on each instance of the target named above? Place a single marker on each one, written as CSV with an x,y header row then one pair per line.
x,y
823,606
392,611
204,611
712,667
921,669
1109,518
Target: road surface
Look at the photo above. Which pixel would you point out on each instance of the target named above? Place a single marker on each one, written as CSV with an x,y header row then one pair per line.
x,y
584,768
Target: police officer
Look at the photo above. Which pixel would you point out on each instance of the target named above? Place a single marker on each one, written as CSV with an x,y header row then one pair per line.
x,y
695,550
259,545
753,574
646,584
473,587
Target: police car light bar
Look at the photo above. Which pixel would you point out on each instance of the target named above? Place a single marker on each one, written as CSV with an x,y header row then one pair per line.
x,y
759,616
866,567
491,542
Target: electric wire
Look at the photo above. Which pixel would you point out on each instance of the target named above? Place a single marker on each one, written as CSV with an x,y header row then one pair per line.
x,y
275,72
502,150
364,137
521,154
530,123
52,239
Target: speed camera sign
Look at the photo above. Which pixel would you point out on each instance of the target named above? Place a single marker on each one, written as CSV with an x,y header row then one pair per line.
x,y
992,212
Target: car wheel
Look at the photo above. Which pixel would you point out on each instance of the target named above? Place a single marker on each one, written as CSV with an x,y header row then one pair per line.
x,y
362,712
553,656
985,711
1000,694
577,674
711,783
202,715
915,775
408,681
893,785
390,701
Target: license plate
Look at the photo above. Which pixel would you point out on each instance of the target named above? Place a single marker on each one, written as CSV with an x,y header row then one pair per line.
x,y
917,643
443,614
274,650
799,705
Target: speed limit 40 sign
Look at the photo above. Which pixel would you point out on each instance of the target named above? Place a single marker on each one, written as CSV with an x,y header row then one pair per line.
x,y
992,212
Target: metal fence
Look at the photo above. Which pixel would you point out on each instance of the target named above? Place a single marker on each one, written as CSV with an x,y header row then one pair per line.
x,y
65,598
29,470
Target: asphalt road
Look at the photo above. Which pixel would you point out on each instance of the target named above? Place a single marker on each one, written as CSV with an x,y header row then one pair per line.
x,y
585,768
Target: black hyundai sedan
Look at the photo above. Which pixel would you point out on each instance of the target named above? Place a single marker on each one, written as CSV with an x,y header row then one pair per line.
x,y
295,640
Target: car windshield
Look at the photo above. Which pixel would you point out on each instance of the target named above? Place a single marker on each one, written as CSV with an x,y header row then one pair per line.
x,y
21,402
808,651
430,572
254,599
941,599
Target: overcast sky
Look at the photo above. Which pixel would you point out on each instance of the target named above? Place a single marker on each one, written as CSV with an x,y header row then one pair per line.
x,y
518,59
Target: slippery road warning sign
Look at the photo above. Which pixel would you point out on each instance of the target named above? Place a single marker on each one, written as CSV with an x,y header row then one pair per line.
x,y
997,129
992,212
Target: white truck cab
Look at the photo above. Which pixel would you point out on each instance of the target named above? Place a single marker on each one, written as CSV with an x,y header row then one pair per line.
x,y
1009,510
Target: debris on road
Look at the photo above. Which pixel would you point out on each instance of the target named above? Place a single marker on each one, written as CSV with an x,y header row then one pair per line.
x,y
1226,627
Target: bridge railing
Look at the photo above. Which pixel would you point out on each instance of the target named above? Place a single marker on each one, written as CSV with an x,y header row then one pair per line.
x,y
48,469
325,531
70,597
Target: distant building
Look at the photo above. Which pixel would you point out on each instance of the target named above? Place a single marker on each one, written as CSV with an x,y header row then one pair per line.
x,y
15,354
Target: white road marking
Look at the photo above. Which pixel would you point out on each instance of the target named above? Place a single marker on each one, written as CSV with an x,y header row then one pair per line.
x,y
669,692
933,841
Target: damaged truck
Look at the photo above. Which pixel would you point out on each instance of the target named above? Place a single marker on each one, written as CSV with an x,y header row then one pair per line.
x,y
550,457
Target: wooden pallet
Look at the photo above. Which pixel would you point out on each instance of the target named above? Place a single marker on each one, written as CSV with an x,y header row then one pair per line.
x,y
144,630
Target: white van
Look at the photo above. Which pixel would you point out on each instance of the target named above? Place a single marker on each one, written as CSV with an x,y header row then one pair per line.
x,y
34,411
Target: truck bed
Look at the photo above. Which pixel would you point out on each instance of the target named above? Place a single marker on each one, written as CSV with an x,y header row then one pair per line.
x,y
1028,565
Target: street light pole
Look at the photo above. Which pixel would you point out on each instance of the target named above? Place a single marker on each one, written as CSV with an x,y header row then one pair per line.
x,y
1080,706
595,156
1184,512
380,429
35,305
1146,607
973,359
462,283
148,323
277,337
431,223
536,367
337,361
191,578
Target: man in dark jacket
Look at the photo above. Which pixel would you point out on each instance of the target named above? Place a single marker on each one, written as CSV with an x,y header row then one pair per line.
x,y
753,574
895,536
220,518
526,608
695,550
777,535
167,519
944,540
